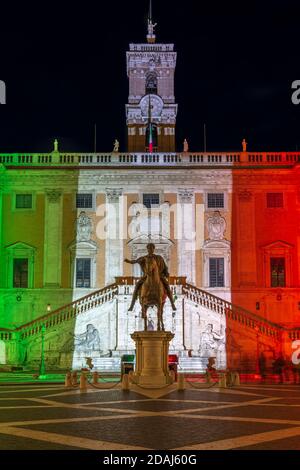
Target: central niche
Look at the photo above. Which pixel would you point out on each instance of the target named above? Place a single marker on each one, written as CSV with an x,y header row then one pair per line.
x,y
138,247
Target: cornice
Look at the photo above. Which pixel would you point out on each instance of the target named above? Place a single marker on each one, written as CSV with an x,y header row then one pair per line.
x,y
183,178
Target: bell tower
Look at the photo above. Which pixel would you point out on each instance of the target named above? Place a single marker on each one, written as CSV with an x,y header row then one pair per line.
x,y
151,110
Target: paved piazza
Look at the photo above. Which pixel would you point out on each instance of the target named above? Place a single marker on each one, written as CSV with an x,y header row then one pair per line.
x,y
50,417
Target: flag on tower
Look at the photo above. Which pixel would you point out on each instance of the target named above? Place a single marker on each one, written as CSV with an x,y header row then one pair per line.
x,y
150,139
150,128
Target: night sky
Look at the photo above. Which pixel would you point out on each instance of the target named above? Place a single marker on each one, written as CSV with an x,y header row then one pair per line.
x,y
65,69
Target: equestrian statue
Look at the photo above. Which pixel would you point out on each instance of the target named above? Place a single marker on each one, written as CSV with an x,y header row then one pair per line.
x,y
153,288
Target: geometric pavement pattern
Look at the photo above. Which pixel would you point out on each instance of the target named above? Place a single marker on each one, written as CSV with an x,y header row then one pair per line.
x,y
50,417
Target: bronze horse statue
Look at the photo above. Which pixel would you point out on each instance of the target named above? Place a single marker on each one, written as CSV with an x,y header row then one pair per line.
x,y
152,293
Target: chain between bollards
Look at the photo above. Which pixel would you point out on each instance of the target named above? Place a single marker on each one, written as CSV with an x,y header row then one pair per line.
x,y
228,379
71,381
225,379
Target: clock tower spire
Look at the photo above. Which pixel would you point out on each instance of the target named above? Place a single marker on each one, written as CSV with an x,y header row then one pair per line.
x,y
151,70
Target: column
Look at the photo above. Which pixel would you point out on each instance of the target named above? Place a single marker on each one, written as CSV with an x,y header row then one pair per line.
x,y
53,238
114,241
185,228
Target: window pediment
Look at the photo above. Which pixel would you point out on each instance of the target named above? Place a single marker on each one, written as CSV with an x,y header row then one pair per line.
x,y
277,246
83,246
20,248
216,244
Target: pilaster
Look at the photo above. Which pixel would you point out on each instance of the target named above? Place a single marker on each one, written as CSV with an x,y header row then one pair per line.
x,y
114,242
53,237
186,236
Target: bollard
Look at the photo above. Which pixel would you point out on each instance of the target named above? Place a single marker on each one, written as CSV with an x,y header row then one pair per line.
x,y
131,376
222,380
125,382
229,378
74,378
83,383
68,380
180,382
95,378
208,377
236,380
172,375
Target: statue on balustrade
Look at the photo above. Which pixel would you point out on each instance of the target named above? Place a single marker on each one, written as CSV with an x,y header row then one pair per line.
x,y
116,146
153,288
244,145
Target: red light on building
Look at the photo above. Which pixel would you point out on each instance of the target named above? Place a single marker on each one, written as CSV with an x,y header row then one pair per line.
x,y
172,358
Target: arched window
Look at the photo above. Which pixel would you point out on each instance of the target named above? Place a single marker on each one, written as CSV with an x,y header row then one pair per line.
x,y
151,83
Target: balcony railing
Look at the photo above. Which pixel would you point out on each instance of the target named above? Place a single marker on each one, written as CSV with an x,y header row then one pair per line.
x,y
155,160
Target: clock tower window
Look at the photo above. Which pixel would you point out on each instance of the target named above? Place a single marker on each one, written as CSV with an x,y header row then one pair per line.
x,y
151,83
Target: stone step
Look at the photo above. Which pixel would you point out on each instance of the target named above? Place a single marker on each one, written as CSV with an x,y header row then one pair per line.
x,y
192,364
10,368
107,364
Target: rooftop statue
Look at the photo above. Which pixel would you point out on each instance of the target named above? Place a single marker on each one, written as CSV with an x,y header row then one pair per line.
x,y
185,146
116,146
151,27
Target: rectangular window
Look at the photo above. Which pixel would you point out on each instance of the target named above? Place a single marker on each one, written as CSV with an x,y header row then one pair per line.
x,y
274,200
84,201
20,273
216,272
215,200
23,201
150,200
277,272
83,272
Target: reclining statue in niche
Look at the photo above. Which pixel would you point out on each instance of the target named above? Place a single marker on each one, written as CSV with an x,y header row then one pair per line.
x,y
88,341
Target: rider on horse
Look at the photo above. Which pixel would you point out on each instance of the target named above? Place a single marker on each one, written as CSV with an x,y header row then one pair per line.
x,y
163,272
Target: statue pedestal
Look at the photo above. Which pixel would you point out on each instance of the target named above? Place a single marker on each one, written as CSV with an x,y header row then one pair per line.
x,y
152,348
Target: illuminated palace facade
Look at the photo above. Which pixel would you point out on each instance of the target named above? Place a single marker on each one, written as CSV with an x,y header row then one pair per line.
x,y
226,223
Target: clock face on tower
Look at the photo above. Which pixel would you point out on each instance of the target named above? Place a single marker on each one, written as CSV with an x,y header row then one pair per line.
x,y
157,105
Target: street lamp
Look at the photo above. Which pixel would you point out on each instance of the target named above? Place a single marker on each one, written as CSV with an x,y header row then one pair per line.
x,y
42,372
